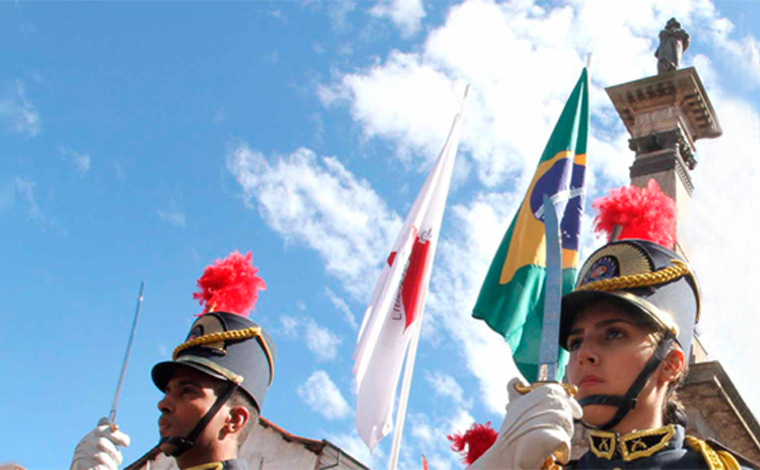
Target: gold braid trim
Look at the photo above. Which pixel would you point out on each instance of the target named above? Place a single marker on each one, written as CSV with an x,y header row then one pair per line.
x,y
639,280
729,461
713,459
251,332
209,466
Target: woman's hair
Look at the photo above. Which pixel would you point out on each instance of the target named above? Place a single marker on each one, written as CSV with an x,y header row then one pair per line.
x,y
673,411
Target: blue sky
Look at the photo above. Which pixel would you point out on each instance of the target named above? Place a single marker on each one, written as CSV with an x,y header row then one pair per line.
x,y
143,140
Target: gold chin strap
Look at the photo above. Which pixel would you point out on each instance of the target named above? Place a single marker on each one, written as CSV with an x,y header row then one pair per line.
x,y
633,281
252,332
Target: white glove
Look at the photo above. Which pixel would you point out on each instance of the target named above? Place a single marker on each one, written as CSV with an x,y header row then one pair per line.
x,y
97,450
538,425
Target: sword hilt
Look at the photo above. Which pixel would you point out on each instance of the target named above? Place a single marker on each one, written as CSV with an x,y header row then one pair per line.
x,y
571,389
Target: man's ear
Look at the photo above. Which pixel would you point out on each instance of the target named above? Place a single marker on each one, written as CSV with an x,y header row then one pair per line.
x,y
237,418
673,365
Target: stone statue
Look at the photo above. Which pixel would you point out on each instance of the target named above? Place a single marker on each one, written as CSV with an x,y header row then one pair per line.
x,y
673,41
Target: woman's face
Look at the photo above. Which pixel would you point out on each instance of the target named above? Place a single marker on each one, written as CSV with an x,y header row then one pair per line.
x,y
608,349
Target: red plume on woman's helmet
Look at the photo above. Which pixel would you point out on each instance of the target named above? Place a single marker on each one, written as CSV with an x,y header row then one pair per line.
x,y
643,213
474,442
229,285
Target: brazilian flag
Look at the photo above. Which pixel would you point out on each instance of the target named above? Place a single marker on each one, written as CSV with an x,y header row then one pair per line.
x,y
511,300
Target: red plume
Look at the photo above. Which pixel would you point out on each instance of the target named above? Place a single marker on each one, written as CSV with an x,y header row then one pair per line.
x,y
229,285
647,214
478,439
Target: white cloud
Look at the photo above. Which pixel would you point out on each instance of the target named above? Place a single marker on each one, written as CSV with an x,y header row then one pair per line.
x,y
80,161
741,55
439,462
407,15
343,307
403,100
422,430
18,113
719,234
322,342
461,421
25,190
7,195
430,436
338,12
356,448
321,204
172,217
289,327
445,385
478,230
220,114
118,171
323,396
510,53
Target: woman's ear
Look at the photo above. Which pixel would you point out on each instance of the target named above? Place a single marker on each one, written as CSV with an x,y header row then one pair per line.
x,y
673,365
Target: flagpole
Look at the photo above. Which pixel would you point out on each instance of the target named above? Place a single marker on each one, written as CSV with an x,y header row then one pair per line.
x,y
406,386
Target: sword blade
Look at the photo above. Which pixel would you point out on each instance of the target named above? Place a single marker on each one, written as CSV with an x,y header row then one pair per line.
x,y
115,404
549,346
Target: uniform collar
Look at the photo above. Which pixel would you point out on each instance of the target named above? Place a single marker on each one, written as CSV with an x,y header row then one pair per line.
x,y
234,464
632,446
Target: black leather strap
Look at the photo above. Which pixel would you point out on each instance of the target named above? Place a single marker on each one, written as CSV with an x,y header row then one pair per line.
x,y
628,402
176,446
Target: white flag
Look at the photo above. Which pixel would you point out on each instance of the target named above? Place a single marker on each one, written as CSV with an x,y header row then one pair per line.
x,y
395,311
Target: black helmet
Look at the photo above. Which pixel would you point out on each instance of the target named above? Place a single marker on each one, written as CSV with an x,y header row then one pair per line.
x,y
643,278
648,277
228,347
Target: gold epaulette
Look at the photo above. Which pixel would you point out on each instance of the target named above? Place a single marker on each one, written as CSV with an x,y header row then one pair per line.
x,y
208,466
716,460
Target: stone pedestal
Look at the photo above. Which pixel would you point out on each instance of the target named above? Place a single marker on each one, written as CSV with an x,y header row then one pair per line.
x,y
665,114
717,411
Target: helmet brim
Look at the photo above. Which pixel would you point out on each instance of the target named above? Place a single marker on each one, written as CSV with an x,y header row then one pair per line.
x,y
574,302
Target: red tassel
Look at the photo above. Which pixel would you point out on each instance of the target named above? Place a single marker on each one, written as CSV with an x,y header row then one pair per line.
x,y
229,285
646,214
477,440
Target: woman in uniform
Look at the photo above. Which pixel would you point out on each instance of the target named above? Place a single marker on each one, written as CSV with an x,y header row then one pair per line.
x,y
628,327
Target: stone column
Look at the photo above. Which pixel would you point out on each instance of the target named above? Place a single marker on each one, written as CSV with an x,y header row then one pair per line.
x,y
665,114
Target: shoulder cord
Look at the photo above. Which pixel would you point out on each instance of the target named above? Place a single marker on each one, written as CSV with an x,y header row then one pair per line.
x,y
720,460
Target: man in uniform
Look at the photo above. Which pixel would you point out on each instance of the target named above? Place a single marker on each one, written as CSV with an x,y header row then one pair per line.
x,y
213,387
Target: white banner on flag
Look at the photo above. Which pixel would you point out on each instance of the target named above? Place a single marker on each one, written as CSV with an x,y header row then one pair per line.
x,y
395,311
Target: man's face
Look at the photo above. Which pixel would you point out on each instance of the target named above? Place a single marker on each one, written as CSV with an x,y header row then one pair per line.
x,y
189,395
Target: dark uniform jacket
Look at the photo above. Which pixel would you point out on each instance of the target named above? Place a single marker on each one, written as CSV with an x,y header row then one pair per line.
x,y
664,448
235,464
